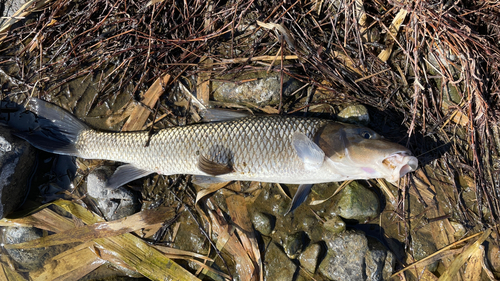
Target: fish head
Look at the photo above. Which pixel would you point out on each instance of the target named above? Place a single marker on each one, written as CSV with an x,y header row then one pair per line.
x,y
360,153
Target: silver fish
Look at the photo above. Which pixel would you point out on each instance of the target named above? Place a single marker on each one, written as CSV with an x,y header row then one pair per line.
x,y
279,149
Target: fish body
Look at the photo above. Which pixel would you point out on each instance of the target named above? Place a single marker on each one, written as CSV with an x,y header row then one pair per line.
x,y
279,149
255,148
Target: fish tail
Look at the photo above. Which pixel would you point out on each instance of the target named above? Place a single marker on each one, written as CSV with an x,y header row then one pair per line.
x,y
56,131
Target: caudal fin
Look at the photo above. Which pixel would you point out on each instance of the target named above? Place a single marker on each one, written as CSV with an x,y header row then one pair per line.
x,y
56,130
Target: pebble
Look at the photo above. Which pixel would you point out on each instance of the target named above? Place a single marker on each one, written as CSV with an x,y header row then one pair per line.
x,y
277,266
263,223
261,89
335,225
354,114
355,202
113,203
294,244
309,258
352,256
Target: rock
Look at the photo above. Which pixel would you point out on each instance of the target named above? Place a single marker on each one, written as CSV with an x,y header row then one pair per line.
x,y
263,223
294,244
345,256
352,256
16,162
113,203
277,266
335,225
262,89
355,114
309,258
355,202
493,257
10,7
375,260
423,245
30,259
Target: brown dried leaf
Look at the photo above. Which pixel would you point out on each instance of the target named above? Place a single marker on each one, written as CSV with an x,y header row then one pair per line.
x,y
140,114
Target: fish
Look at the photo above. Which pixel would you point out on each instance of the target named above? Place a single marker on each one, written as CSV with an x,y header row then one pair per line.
x,y
269,148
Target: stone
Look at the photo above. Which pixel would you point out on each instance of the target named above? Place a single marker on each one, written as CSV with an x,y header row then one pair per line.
x,y
17,158
354,114
335,225
113,203
345,256
277,266
353,256
261,89
263,223
309,258
375,260
355,202
31,259
294,243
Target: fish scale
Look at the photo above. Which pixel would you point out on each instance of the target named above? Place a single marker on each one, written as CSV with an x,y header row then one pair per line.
x,y
255,147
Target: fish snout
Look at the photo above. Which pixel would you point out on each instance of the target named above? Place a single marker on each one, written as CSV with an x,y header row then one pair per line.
x,y
400,163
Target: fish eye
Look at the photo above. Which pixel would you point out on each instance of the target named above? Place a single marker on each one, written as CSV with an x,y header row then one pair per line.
x,y
366,135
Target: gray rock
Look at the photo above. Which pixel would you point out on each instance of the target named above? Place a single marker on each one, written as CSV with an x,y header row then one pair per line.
x,y
10,7
375,260
113,203
354,114
30,259
345,258
263,223
262,89
352,256
277,266
294,244
355,202
309,258
17,158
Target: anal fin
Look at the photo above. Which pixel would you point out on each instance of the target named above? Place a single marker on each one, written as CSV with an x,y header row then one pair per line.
x,y
300,196
124,174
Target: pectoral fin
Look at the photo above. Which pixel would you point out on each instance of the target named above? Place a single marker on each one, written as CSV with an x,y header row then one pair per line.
x,y
309,152
213,168
124,174
300,196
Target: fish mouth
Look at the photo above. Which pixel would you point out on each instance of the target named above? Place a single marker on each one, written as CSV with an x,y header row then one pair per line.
x,y
400,163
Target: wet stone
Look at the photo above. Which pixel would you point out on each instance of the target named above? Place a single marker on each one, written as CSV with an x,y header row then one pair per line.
x,y
355,202
335,225
423,245
353,256
113,203
294,244
30,259
345,256
262,89
375,260
16,163
354,114
263,223
277,266
309,258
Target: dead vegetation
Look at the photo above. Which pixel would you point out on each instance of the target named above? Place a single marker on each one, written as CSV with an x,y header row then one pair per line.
x,y
430,67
